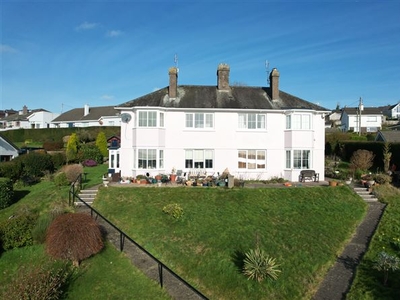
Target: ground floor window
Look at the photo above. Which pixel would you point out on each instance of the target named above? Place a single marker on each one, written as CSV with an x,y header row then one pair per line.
x,y
149,159
199,158
252,159
298,159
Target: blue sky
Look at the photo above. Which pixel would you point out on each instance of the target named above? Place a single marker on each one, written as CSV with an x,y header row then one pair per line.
x,y
65,54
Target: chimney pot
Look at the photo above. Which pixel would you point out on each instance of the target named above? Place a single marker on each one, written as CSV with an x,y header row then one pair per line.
x,y
173,82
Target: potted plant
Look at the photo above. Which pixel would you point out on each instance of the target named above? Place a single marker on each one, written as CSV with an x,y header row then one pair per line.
x,y
332,182
173,174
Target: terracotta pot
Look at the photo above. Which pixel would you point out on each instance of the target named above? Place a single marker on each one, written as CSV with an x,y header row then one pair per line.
x,y
332,183
172,177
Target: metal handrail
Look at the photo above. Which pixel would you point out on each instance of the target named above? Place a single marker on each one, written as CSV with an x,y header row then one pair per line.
x,y
123,236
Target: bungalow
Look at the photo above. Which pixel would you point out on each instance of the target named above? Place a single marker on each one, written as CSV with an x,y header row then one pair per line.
x,y
8,150
254,132
370,117
390,136
88,116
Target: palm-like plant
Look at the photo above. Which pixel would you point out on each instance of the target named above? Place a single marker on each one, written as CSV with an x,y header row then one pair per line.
x,y
259,266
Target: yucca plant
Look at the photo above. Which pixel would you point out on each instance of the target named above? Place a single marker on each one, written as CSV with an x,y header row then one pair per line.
x,y
259,266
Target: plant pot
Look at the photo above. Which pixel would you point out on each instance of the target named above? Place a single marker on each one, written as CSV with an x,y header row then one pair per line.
x,y
172,177
332,183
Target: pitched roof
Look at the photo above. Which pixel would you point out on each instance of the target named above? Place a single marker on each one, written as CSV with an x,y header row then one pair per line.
x,y
22,117
240,97
9,142
78,114
392,136
365,111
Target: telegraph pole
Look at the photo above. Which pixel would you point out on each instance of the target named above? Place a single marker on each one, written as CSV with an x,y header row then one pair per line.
x,y
360,109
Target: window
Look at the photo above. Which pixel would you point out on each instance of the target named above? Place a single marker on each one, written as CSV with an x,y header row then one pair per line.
x,y
298,121
372,119
251,121
199,159
147,159
252,159
161,158
199,120
301,159
147,119
161,119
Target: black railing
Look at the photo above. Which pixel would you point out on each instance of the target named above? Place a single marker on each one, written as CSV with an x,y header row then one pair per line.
x,y
74,188
141,257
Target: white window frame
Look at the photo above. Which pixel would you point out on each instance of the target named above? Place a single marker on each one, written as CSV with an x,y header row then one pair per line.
x,y
199,159
298,159
252,159
148,159
299,121
147,118
252,121
198,120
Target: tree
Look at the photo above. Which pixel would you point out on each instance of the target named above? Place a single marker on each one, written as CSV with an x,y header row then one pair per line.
x,y
362,160
72,148
387,155
101,143
74,237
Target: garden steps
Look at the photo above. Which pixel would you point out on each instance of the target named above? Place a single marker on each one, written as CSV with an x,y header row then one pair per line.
x,y
364,193
87,195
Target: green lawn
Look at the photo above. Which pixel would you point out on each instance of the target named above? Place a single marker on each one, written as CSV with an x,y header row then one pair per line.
x,y
303,228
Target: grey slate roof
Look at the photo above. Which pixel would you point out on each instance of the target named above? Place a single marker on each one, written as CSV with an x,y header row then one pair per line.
x,y
392,136
95,113
22,117
366,111
239,97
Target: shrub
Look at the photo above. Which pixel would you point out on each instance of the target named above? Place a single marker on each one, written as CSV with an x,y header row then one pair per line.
x,y
47,281
382,178
6,192
362,159
52,145
12,169
73,236
90,152
61,179
72,171
59,159
101,143
174,210
36,164
89,163
259,266
386,263
17,231
72,148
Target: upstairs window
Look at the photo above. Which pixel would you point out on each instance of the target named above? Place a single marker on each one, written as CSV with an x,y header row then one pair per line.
x,y
147,118
252,121
298,121
199,120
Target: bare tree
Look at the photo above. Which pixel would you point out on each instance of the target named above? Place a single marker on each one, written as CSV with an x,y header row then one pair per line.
x,y
362,160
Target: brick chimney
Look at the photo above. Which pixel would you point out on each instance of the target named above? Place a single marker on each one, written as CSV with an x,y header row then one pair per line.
x,y
173,82
223,77
274,82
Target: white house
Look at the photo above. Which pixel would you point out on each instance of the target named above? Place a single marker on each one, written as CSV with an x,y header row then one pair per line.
x,y
28,119
8,150
254,132
88,116
371,119
392,111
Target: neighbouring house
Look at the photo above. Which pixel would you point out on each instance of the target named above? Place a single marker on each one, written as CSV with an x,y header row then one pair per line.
x,y
88,116
392,111
388,136
8,150
28,119
254,132
333,119
370,119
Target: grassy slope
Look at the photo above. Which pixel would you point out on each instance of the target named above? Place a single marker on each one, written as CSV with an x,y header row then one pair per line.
x,y
304,228
368,281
